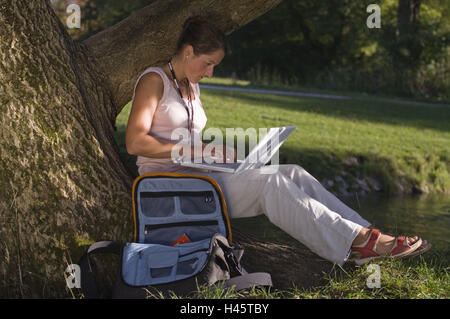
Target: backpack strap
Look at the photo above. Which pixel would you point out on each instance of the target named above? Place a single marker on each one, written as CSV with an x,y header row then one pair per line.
x,y
241,279
88,280
249,280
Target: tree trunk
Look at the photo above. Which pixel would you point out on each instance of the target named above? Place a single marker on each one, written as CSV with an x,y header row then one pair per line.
x,y
408,49
408,16
62,183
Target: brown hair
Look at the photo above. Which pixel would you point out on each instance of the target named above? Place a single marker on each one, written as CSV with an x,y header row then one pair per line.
x,y
204,36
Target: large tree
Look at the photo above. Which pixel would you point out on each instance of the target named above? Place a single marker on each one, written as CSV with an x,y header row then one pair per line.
x,y
62,184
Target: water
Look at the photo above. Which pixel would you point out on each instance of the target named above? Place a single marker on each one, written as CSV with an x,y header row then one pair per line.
x,y
427,216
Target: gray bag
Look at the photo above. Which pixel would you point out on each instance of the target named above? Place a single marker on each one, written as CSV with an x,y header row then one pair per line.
x,y
182,241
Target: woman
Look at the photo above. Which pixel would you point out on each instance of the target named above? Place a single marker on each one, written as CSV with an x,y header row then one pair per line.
x,y
168,97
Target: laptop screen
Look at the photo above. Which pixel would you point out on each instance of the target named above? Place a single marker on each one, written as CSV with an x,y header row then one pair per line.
x,y
266,148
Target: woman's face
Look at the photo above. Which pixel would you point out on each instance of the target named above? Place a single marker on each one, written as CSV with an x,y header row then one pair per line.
x,y
202,65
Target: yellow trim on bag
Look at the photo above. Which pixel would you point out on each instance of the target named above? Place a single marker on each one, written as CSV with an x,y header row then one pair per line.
x,y
181,175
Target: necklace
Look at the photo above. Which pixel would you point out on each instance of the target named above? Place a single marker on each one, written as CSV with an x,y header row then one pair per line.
x,y
190,114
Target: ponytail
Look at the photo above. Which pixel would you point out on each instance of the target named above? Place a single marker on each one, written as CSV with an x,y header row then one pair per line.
x,y
202,35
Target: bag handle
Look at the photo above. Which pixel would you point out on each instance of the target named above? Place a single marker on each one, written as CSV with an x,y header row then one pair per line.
x,y
88,280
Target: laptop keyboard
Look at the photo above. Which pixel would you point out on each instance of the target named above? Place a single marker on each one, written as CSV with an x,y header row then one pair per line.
x,y
228,165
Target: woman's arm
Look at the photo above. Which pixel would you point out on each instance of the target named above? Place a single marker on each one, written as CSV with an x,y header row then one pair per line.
x,y
149,92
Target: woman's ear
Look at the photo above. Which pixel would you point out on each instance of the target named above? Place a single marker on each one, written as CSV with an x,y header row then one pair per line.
x,y
188,51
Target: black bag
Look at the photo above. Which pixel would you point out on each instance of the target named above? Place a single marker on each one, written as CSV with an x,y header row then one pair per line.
x,y
182,240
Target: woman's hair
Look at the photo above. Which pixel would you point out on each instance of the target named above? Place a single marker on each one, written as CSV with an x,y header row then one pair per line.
x,y
202,35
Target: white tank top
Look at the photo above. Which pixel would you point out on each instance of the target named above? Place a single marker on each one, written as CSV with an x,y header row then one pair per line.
x,y
169,115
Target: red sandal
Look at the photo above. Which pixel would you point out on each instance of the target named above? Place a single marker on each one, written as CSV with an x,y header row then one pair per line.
x,y
423,248
366,252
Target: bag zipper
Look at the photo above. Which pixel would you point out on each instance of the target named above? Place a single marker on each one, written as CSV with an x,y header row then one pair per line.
x,y
176,193
194,223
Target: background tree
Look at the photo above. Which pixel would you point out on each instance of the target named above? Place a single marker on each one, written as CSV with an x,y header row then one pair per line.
x,y
326,44
98,15
418,41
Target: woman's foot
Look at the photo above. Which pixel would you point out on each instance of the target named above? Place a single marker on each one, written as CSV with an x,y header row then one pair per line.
x,y
385,242
370,244
426,246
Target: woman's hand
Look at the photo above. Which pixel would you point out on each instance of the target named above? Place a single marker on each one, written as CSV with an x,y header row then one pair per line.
x,y
222,154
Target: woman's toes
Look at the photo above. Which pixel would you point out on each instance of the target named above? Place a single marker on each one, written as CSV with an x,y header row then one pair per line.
x,y
412,240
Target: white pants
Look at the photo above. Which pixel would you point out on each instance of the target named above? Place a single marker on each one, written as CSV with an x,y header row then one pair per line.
x,y
294,201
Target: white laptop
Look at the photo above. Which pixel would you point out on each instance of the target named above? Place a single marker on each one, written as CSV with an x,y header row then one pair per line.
x,y
257,158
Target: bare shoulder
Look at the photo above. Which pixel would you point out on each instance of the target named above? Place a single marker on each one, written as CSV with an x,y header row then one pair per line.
x,y
149,85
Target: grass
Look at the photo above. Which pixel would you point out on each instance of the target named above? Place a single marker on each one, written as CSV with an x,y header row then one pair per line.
x,y
405,147
391,142
398,280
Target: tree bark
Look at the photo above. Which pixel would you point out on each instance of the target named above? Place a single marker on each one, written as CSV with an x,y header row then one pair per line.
x,y
61,179
62,183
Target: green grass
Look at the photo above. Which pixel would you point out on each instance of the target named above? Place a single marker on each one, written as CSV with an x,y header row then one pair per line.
x,y
404,147
399,279
393,142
